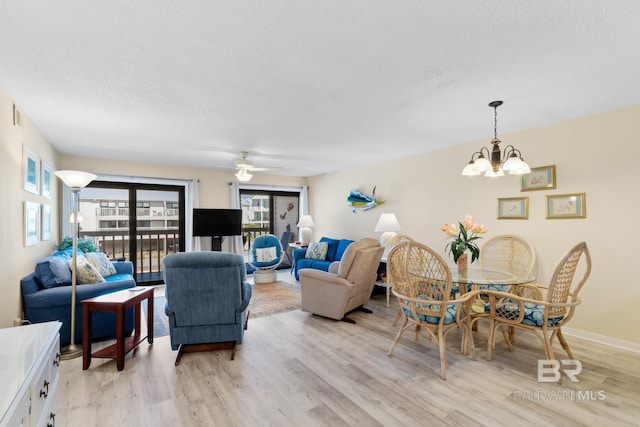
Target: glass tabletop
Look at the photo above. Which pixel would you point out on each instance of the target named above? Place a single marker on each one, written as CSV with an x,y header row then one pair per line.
x,y
477,275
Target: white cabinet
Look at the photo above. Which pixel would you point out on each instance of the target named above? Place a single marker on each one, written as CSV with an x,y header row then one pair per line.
x,y
29,374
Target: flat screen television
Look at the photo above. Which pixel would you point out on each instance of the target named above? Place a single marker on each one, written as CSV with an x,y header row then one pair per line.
x,y
217,222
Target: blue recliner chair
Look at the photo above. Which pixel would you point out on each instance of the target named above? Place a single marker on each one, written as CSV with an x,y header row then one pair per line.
x,y
207,299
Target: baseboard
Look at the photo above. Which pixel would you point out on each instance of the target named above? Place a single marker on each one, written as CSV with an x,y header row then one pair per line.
x,y
602,339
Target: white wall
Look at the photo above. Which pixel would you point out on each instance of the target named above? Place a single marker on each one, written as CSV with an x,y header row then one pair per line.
x,y
597,155
16,260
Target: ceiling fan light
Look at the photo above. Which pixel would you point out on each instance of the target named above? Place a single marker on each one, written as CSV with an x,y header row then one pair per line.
x,y
243,175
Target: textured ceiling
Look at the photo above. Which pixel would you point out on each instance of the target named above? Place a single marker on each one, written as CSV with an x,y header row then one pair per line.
x,y
309,86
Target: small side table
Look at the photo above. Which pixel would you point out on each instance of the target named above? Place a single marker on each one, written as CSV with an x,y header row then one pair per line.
x,y
118,302
384,282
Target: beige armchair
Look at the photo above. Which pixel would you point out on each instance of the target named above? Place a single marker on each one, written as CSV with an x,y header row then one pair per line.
x,y
346,286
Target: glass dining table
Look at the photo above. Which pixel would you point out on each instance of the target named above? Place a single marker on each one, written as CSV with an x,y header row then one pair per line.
x,y
479,278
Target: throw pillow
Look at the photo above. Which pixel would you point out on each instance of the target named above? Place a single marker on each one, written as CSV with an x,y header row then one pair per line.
x,y
266,254
86,272
53,271
317,250
100,261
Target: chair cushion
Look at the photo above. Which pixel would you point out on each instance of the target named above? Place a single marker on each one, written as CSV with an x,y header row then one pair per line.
x,y
449,313
100,261
266,254
317,250
533,313
86,272
53,271
332,248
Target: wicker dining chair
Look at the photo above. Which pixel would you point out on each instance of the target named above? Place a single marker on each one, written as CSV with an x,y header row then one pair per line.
x,y
422,284
509,252
398,238
544,315
503,252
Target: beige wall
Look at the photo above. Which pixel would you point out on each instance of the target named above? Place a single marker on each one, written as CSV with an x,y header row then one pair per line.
x,y
597,155
16,260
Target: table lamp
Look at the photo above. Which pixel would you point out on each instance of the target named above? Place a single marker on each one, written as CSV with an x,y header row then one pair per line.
x,y
388,224
76,181
305,224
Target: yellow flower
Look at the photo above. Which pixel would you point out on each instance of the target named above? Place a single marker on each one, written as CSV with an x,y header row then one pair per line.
x,y
479,228
467,223
450,229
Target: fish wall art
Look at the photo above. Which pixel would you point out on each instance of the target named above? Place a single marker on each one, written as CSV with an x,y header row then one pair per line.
x,y
358,200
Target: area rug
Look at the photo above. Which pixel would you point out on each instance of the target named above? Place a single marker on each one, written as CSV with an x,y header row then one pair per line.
x,y
160,319
266,299
273,298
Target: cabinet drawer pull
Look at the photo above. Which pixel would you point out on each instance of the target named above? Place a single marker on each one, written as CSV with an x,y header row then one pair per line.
x,y
56,360
52,418
44,391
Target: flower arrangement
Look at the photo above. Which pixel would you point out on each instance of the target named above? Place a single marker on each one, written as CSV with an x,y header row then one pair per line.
x,y
464,236
84,244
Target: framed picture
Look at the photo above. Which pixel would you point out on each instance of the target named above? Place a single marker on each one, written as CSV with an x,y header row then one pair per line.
x,y
542,178
31,223
513,208
46,222
31,170
567,206
46,180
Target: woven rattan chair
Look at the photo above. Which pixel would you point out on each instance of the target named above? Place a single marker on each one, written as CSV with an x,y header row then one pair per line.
x,y
508,252
422,283
503,252
542,309
398,238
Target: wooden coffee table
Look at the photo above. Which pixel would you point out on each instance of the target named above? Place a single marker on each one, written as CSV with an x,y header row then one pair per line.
x,y
118,302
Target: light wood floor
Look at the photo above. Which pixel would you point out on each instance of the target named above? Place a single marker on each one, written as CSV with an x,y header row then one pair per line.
x,y
297,369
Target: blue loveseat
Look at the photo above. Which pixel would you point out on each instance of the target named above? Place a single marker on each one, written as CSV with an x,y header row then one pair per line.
x,y
53,302
335,250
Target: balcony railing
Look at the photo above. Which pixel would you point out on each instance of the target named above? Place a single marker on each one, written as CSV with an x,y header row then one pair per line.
x,y
152,247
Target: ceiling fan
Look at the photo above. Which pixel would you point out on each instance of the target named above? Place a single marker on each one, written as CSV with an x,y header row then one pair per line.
x,y
245,166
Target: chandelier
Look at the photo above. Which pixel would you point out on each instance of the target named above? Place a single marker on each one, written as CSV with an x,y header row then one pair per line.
x,y
495,162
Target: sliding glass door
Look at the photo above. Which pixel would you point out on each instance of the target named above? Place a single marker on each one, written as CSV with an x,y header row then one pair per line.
x,y
269,212
137,222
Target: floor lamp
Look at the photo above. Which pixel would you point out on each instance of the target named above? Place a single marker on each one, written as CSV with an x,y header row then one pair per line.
x,y
76,181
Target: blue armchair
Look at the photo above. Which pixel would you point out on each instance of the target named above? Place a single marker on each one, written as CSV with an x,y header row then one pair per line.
x,y
207,299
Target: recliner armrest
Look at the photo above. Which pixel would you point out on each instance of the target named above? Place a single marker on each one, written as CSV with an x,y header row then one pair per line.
x,y
246,297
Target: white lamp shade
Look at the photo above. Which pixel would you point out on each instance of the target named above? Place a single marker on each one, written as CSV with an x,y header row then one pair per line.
x,y
75,179
306,221
470,170
387,222
482,164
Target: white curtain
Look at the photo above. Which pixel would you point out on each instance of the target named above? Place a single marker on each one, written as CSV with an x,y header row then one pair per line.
x,y
191,201
304,201
66,228
235,242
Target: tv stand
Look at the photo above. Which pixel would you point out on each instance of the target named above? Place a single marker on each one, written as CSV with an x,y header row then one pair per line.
x,y
216,243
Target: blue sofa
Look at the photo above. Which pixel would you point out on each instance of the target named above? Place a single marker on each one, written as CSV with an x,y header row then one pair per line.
x,y
335,250
44,304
